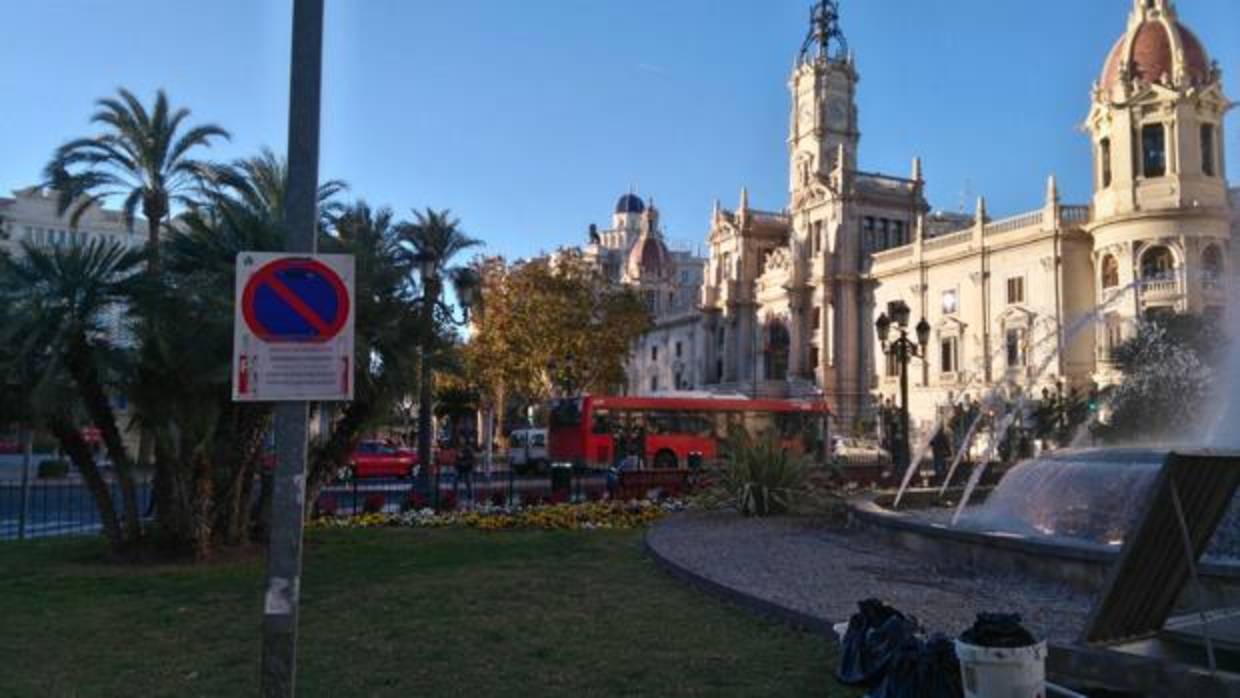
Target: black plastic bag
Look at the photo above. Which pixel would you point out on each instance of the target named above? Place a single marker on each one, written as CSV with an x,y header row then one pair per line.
x,y
998,630
922,669
874,634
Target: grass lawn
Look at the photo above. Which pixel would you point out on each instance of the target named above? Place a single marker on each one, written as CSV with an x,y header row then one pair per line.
x,y
395,612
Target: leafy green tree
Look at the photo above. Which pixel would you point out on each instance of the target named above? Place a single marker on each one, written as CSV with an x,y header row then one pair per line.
x,y
533,315
142,157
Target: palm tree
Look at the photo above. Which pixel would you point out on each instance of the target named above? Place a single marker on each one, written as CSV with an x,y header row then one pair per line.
x,y
58,304
434,238
386,327
258,183
142,156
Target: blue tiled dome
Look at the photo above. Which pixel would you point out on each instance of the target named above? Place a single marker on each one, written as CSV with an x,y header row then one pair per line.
x,y
630,203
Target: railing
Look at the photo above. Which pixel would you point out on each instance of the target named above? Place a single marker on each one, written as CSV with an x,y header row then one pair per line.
x,y
768,216
881,176
1160,286
948,240
893,254
57,507
1007,225
498,489
1074,214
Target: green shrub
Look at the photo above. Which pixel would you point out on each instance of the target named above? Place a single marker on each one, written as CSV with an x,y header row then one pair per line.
x,y
758,477
53,468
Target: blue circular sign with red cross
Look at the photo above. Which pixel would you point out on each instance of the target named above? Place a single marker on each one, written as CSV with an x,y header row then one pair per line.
x,y
295,300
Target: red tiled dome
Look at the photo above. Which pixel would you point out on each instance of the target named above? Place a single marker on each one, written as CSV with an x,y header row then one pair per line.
x,y
650,258
1151,55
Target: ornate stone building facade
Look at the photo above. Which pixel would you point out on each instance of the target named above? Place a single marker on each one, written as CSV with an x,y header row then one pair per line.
x,y
633,252
789,298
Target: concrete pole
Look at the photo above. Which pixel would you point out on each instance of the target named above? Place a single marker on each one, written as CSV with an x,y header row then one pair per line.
x,y
279,667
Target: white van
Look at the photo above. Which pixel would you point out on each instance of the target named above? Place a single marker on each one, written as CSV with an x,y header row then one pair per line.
x,y
527,450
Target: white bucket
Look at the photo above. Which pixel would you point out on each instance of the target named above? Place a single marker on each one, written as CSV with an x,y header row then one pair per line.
x,y
1003,672
841,629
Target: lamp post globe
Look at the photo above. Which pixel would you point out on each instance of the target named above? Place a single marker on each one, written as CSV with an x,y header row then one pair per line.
x,y
883,325
902,350
923,332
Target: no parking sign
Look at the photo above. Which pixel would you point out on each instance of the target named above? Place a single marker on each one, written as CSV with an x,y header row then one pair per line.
x,y
293,327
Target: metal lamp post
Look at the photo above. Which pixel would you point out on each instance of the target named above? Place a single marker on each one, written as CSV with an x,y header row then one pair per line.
x,y
903,350
466,284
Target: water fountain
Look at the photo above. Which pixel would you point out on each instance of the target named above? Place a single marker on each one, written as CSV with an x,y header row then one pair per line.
x,y
1131,523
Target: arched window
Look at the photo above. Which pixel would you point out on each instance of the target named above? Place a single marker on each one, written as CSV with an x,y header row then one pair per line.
x,y
1212,263
1153,150
1157,264
1110,271
1104,157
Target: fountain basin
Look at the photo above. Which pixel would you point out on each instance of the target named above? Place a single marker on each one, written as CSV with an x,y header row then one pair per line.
x,y
1077,564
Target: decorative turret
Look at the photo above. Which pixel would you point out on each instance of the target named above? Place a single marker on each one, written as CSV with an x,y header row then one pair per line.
x,y
1156,118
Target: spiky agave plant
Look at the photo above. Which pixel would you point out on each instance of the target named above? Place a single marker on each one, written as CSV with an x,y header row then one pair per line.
x,y
759,477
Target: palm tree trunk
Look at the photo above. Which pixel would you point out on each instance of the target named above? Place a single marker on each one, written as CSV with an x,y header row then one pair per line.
x,y
430,299
72,443
80,362
164,485
242,445
154,213
203,499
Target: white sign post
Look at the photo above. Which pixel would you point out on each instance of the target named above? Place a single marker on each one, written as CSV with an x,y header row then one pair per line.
x,y
293,328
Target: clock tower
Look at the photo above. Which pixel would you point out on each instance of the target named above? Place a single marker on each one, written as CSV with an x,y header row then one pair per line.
x,y
824,111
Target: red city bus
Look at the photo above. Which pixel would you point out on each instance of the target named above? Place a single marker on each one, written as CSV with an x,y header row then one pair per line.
x,y
597,431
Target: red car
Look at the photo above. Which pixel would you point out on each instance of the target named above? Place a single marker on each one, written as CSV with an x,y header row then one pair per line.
x,y
378,459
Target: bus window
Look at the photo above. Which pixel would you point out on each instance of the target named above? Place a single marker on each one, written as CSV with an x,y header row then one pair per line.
x,y
695,424
566,413
517,438
759,423
790,424
661,423
602,422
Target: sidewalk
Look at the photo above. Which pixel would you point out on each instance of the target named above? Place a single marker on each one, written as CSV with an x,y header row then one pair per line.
x,y
806,569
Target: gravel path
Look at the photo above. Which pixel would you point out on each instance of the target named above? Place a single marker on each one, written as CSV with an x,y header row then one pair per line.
x,y
823,571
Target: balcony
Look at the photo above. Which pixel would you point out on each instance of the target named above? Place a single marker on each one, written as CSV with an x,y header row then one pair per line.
x,y
1163,287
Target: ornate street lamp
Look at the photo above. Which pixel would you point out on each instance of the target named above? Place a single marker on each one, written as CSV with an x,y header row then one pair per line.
x,y
902,350
466,283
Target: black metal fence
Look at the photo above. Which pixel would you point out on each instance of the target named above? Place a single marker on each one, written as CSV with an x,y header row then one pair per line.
x,y
449,490
64,506
56,507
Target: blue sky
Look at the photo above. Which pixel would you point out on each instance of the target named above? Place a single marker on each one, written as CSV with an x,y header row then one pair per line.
x,y
529,118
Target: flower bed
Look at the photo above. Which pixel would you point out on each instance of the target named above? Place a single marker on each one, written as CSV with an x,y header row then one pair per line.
x,y
586,515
